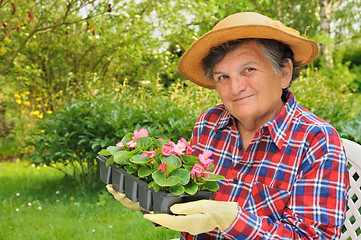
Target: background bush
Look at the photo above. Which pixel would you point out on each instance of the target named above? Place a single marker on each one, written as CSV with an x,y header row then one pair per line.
x,y
82,127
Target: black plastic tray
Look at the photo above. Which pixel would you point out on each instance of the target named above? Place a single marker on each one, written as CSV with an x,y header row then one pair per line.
x,y
137,190
105,172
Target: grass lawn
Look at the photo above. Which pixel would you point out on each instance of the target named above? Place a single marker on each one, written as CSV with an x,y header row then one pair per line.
x,y
39,203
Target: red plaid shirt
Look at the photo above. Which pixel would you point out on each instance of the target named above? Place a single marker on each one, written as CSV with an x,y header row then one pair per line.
x,y
290,183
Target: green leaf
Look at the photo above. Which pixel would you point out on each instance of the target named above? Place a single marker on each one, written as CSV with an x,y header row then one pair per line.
x,y
104,152
113,149
173,159
190,159
177,189
109,161
144,142
122,157
191,189
213,177
144,171
161,180
130,169
183,174
212,186
127,138
139,160
154,185
160,143
211,167
170,168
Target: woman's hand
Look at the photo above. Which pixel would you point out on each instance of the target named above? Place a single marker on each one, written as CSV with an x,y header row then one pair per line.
x,y
198,216
123,200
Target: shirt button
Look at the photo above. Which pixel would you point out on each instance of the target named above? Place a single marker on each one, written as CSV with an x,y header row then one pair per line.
x,y
235,181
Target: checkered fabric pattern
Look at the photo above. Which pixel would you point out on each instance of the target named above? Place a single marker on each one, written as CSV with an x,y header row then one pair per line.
x,y
290,183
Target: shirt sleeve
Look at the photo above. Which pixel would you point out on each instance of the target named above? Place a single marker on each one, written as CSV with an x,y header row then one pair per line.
x,y
317,204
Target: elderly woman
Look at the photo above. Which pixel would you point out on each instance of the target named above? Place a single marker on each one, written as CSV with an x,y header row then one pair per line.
x,y
285,169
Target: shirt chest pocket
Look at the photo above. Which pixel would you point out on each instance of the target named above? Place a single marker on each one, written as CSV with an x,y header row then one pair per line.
x,y
266,201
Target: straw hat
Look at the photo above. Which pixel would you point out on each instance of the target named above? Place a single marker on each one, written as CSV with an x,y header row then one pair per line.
x,y
238,26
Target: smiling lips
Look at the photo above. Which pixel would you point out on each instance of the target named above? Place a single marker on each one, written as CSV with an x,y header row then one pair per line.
x,y
242,98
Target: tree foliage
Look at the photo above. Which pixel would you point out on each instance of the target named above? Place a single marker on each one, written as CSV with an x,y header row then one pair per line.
x,y
60,46
78,49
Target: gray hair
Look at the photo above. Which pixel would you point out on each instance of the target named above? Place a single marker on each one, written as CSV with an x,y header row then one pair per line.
x,y
276,52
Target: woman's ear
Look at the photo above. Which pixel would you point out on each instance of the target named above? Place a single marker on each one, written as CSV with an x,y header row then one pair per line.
x,y
287,72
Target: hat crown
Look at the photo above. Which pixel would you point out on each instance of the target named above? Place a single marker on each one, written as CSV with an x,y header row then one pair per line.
x,y
252,18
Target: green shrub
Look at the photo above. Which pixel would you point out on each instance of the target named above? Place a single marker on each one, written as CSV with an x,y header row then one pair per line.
x,y
332,102
351,128
75,134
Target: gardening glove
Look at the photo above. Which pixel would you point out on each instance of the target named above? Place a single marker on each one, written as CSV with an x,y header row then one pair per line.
x,y
123,200
198,216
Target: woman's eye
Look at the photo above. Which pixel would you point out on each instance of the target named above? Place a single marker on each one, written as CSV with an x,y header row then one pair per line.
x,y
222,78
249,70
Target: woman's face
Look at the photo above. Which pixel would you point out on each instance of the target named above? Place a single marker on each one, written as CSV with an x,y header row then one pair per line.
x,y
248,85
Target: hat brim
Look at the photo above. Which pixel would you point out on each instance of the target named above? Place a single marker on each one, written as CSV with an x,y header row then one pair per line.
x,y
190,64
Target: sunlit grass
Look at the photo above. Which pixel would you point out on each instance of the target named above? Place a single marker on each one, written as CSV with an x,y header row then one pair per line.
x,y
38,203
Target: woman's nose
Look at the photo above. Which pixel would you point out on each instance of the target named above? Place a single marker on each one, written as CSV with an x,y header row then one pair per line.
x,y
238,84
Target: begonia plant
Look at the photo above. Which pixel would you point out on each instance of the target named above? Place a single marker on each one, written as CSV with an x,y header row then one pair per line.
x,y
166,166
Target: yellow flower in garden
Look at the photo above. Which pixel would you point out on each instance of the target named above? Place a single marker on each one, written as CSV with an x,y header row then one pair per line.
x,y
49,112
41,115
18,101
72,198
27,103
35,113
17,95
39,106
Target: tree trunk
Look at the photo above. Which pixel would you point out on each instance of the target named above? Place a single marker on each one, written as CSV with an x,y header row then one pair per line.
x,y
326,7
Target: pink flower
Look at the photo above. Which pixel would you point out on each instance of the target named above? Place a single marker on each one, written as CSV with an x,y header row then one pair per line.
x,y
162,167
171,144
160,138
150,154
132,143
179,148
166,150
142,133
197,170
205,158
120,145
189,149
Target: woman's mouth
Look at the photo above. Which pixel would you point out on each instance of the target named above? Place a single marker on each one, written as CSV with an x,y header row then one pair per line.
x,y
243,98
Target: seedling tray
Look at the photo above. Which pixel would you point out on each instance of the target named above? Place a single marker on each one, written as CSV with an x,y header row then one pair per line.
x,y
137,190
105,172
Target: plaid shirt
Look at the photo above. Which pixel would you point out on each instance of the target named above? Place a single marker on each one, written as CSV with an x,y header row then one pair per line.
x,y
290,183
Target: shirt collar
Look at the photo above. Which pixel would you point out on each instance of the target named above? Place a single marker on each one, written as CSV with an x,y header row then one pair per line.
x,y
224,119
279,125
